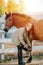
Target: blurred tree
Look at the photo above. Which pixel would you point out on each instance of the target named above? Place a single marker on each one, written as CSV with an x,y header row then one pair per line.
x,y
22,6
2,7
12,6
16,6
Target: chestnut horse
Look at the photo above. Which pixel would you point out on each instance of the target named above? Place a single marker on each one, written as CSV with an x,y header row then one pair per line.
x,y
20,20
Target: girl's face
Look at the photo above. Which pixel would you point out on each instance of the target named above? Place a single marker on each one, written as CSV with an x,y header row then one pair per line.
x,y
29,30
28,27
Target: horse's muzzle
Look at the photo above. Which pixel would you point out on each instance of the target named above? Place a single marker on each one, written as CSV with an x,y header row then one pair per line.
x,y
6,30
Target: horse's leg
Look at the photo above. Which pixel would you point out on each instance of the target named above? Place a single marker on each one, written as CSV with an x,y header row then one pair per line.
x,y
30,57
29,54
20,58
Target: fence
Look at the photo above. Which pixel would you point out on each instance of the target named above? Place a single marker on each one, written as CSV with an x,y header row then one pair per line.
x,y
37,48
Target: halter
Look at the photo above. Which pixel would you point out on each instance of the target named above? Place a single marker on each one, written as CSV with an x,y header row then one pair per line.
x,y
13,20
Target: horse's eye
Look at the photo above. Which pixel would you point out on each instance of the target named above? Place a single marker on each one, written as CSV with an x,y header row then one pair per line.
x,y
9,19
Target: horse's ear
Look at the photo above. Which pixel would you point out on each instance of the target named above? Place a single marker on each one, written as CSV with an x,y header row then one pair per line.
x,y
10,13
6,13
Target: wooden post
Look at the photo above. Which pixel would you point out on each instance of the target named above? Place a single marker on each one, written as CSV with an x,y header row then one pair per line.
x,y
2,42
2,56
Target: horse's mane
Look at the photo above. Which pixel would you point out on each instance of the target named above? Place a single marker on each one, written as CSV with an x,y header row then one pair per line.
x,y
18,14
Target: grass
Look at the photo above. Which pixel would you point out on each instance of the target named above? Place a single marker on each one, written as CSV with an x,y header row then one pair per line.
x,y
38,57
9,59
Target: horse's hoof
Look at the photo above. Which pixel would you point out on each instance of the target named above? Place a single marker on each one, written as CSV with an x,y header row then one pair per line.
x,y
28,62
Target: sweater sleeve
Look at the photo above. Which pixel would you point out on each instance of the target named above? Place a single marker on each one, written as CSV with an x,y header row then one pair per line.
x,y
21,39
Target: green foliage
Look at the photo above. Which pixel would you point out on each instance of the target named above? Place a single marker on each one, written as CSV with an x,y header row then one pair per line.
x,y
2,7
1,11
12,6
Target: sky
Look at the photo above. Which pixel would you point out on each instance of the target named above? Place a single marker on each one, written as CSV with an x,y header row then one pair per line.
x,y
33,5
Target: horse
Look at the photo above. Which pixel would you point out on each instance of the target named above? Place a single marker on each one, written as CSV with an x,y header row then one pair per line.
x,y
20,20
17,19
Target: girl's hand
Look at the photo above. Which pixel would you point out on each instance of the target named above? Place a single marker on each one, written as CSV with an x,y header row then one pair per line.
x,y
26,46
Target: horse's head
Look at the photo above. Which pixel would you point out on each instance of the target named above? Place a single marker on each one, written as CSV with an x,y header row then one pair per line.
x,y
8,22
